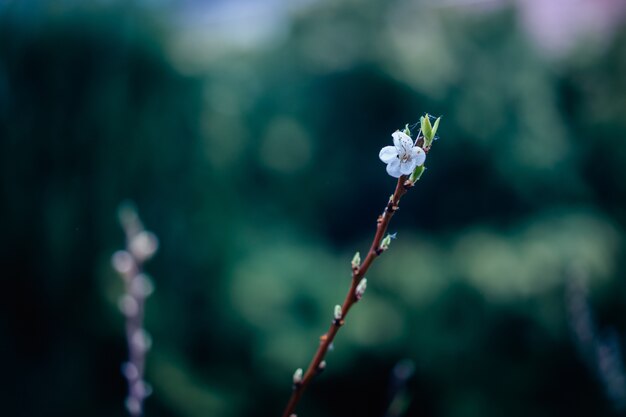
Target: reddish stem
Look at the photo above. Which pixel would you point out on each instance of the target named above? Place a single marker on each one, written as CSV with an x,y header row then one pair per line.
x,y
358,273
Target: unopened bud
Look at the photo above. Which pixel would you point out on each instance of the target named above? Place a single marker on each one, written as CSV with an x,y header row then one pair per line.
x,y
338,313
141,389
360,289
122,262
297,376
130,371
141,286
384,244
144,245
133,405
128,305
429,131
356,260
322,365
141,340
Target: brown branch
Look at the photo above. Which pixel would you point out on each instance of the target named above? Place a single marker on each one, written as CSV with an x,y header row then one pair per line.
x,y
358,273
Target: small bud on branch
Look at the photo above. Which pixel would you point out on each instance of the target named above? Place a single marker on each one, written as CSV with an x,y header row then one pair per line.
x,y
360,289
384,244
297,376
337,313
356,260
429,130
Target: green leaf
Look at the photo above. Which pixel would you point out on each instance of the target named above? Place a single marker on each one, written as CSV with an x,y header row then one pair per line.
x,y
436,126
427,130
417,173
407,131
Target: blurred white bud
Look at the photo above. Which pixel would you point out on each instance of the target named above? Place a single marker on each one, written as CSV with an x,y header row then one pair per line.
x,y
356,260
122,262
337,312
133,405
141,389
144,245
322,365
360,289
128,305
130,371
141,340
297,376
141,286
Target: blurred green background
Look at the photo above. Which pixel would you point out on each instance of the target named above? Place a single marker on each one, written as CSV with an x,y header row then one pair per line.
x,y
247,133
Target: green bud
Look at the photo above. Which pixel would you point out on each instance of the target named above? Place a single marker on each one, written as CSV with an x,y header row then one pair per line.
x,y
417,173
407,131
337,313
384,244
429,131
356,260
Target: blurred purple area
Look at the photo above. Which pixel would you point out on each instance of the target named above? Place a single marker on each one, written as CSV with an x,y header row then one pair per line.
x,y
555,26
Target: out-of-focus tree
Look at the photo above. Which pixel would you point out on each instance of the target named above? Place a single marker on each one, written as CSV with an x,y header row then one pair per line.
x,y
257,168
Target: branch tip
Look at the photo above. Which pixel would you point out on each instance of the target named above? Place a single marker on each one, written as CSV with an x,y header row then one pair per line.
x,y
379,244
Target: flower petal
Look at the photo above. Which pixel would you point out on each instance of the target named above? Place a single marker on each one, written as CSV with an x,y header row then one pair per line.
x,y
388,154
406,168
402,141
396,138
393,168
418,155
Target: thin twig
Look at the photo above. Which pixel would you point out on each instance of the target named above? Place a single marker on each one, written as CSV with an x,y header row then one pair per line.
x,y
358,273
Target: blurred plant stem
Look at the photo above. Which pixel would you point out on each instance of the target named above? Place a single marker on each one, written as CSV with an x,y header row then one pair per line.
x,y
140,246
353,295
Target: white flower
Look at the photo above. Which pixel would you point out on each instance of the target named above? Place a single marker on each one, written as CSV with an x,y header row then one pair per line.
x,y
403,157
